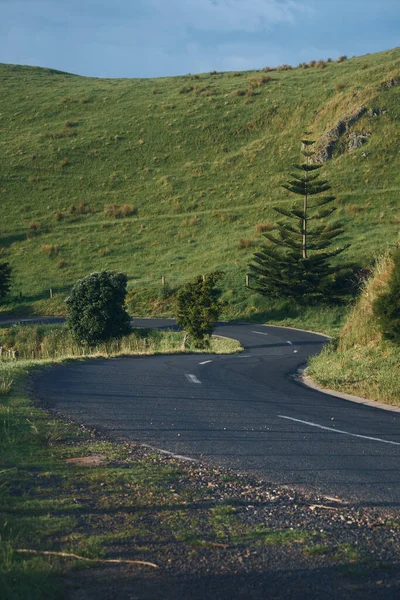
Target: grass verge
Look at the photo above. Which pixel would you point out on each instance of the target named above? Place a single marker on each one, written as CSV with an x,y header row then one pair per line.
x,y
360,361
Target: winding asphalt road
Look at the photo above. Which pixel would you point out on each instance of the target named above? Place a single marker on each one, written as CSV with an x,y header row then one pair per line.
x,y
244,411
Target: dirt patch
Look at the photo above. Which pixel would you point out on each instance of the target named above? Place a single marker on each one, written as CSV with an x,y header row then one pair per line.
x,y
95,460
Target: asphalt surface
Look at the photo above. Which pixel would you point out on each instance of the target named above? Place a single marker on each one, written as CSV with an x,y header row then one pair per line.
x,y
244,411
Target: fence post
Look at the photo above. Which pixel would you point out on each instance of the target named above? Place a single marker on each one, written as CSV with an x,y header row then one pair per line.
x,y
51,293
247,281
163,280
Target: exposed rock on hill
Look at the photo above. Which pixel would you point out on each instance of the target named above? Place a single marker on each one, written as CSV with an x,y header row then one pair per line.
x,y
329,140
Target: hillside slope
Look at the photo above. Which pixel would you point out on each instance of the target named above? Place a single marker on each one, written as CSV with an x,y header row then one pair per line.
x,y
172,176
360,362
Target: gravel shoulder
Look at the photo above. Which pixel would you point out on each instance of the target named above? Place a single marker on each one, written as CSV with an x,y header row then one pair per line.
x,y
215,533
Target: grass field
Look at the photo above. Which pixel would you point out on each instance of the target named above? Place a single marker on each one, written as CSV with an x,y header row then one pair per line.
x,y
177,176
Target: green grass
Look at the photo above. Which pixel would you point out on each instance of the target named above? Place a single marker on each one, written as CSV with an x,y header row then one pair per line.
x,y
359,361
201,170
47,342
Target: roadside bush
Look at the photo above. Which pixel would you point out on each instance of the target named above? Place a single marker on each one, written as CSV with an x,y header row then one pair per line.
x,y
96,310
386,307
198,307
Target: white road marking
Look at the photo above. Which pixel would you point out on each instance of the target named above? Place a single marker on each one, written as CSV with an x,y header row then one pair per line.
x,y
364,437
192,378
290,343
260,332
205,362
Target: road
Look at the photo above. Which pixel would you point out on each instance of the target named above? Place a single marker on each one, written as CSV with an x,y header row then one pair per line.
x,y
244,411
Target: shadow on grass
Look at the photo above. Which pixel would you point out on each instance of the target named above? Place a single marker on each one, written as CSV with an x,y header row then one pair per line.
x,y
8,240
280,312
23,582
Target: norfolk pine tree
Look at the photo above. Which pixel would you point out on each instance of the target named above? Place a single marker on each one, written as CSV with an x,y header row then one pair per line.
x,y
296,261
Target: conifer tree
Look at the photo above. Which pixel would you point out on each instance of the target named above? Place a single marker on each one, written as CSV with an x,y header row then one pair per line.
x,y
296,261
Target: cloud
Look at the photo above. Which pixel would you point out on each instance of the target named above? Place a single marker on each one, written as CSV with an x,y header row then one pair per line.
x,y
228,15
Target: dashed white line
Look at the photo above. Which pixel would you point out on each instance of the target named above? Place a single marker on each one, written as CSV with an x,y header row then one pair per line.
x,y
260,332
357,435
290,343
205,362
192,378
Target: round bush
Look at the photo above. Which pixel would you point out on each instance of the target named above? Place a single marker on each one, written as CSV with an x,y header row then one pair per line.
x,y
96,308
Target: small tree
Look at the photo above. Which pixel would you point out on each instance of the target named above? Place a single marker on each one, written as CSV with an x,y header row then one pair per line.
x,y
198,307
5,278
96,308
296,262
386,307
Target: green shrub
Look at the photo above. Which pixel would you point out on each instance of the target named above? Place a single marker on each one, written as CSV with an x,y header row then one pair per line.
x,y
198,307
96,308
386,307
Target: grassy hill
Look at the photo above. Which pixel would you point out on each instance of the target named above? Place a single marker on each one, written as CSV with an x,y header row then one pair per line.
x,y
177,176
360,361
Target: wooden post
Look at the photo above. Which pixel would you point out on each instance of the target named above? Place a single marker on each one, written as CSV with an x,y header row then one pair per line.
x,y
51,293
247,281
204,277
163,281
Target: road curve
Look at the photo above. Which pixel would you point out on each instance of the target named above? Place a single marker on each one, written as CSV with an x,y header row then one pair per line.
x,y
244,411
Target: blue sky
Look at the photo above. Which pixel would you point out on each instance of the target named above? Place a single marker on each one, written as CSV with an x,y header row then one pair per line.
x,y
152,38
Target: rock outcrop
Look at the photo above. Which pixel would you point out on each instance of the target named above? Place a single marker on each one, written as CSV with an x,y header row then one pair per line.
x,y
327,144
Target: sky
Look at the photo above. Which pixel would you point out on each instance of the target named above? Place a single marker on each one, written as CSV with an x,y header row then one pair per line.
x,y
156,38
